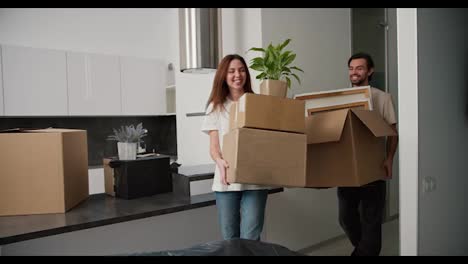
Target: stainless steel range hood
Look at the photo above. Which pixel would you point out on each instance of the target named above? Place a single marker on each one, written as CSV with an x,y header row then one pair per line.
x,y
200,39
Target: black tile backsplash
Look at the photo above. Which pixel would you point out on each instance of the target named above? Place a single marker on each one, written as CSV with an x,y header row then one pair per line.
x,y
161,131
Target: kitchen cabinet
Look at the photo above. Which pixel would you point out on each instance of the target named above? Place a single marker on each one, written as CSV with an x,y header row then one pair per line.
x,y
34,81
94,86
1,84
143,86
44,82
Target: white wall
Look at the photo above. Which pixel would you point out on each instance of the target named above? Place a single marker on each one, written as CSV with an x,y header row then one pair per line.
x,y
443,129
408,128
137,32
242,30
321,38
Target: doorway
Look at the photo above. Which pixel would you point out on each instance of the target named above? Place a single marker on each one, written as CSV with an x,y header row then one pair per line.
x,y
373,30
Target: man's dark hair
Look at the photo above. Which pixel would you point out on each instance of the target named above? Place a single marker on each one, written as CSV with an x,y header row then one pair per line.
x,y
367,57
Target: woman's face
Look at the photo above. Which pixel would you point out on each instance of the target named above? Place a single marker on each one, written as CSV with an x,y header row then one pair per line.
x,y
236,75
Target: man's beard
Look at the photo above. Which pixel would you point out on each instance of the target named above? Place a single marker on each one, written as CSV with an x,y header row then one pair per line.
x,y
358,82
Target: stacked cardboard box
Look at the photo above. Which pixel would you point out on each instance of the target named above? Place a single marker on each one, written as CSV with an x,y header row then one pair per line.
x,y
342,146
266,144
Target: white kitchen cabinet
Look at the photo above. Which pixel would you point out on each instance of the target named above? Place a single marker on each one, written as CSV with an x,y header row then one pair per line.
x,y
34,81
1,85
143,86
93,84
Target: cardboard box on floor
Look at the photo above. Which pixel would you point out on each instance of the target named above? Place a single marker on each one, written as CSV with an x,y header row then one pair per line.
x,y
42,171
108,177
268,112
265,157
345,147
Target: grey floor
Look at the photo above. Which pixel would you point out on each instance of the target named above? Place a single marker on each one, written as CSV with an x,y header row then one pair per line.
x,y
342,246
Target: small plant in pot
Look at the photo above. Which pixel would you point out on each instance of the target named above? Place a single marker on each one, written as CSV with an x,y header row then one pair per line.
x,y
128,139
275,69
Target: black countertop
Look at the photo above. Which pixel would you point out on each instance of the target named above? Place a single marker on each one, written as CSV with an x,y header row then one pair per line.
x,y
102,209
198,172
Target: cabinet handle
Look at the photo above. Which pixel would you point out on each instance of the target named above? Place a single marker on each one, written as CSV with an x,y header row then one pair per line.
x,y
195,114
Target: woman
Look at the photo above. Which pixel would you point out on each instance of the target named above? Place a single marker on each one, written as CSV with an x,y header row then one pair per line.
x,y
241,207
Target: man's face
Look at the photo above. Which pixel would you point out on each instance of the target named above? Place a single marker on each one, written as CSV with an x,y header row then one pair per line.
x,y
359,73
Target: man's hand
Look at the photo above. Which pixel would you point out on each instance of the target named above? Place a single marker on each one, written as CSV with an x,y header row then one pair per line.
x,y
388,166
222,166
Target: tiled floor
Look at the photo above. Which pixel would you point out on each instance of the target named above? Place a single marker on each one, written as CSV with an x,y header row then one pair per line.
x,y
342,246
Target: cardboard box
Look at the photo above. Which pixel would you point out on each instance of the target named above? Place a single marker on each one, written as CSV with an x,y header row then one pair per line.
x,y
108,177
268,112
43,171
345,147
265,157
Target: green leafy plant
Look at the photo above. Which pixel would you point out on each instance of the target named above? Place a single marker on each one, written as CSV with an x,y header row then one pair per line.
x,y
275,63
129,133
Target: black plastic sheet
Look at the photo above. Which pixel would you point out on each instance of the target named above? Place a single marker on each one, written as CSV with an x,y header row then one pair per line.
x,y
233,247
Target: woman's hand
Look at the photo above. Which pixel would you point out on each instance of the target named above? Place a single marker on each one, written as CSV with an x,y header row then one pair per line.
x,y
222,166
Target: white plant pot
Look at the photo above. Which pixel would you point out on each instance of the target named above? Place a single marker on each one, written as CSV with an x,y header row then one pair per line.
x,y
127,151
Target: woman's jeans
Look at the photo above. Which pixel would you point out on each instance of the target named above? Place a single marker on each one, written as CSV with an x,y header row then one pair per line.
x,y
241,213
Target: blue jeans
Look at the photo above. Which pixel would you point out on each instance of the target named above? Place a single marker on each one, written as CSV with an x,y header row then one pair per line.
x,y
241,213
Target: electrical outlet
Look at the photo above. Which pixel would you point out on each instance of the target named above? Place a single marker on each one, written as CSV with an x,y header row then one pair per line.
x,y
428,184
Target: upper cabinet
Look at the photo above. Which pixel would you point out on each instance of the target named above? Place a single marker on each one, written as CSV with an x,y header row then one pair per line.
x,y
93,84
42,82
1,84
143,86
34,82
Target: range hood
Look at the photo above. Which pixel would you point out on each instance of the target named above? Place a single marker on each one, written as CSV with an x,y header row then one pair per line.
x,y
200,39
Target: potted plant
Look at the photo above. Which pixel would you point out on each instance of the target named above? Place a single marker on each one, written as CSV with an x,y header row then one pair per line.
x,y
128,139
275,69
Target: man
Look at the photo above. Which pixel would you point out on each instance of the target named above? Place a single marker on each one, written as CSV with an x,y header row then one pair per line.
x,y
364,227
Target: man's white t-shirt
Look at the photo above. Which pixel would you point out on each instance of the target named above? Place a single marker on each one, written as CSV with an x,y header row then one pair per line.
x,y
383,104
219,120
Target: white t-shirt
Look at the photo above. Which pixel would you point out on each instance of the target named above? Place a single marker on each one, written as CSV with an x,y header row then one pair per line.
x,y
219,120
383,104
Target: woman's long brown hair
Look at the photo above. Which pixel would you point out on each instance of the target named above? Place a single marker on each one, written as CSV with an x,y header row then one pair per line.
x,y
220,89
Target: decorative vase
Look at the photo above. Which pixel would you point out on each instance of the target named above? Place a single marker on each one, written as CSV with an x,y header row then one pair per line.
x,y
127,150
274,88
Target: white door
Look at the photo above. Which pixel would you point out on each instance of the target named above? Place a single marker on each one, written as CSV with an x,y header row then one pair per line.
x,y
93,84
1,84
34,82
143,86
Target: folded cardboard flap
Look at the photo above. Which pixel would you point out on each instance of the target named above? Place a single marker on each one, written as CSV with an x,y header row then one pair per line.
x,y
328,126
374,122
17,130
39,130
325,127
